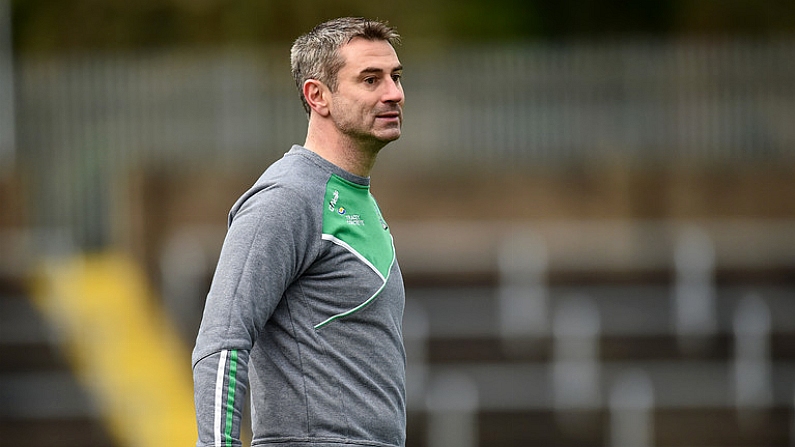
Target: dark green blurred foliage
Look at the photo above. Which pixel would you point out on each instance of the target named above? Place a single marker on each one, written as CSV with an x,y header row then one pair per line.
x,y
57,25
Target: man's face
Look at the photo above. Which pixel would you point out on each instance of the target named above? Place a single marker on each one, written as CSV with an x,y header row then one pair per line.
x,y
368,103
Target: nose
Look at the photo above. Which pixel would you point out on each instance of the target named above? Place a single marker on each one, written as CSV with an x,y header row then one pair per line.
x,y
394,92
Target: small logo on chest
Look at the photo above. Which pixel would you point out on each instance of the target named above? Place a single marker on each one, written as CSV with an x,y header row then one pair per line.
x,y
354,219
333,203
350,219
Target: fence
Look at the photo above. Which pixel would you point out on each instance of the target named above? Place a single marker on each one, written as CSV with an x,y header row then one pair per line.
x,y
83,120
7,134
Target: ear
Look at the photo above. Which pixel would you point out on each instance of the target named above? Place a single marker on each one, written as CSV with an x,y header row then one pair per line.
x,y
317,96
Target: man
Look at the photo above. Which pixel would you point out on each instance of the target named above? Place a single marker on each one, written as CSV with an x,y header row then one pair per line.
x,y
306,303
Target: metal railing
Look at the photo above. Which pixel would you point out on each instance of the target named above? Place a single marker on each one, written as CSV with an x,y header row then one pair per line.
x,y
84,120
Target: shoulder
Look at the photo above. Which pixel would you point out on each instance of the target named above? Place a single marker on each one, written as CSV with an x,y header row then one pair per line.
x,y
290,188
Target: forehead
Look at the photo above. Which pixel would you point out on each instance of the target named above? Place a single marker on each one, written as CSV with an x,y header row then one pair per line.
x,y
360,54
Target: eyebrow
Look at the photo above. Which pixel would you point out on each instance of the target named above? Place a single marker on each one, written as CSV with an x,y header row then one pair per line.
x,y
380,70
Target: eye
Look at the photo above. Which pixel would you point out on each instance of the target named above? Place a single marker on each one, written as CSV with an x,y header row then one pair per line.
x,y
370,80
397,76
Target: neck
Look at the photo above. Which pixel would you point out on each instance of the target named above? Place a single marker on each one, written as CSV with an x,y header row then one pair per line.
x,y
343,151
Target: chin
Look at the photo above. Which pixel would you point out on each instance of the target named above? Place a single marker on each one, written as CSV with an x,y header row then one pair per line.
x,y
389,136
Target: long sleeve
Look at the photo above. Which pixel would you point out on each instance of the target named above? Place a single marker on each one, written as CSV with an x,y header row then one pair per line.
x,y
261,255
303,317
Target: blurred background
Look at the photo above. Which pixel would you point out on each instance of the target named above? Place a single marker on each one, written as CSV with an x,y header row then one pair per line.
x,y
593,204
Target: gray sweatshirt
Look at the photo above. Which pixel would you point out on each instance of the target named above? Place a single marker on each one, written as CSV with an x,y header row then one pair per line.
x,y
305,310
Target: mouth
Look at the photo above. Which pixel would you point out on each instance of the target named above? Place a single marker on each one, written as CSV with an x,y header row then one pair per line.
x,y
391,116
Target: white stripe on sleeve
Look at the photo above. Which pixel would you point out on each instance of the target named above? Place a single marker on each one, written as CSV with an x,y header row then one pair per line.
x,y
219,395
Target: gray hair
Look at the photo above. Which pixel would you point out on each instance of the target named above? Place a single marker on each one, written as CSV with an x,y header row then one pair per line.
x,y
315,55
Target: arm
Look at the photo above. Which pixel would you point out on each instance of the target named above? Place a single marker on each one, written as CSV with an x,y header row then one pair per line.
x,y
261,255
220,382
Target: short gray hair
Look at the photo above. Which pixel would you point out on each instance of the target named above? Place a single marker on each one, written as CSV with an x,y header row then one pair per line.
x,y
315,55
